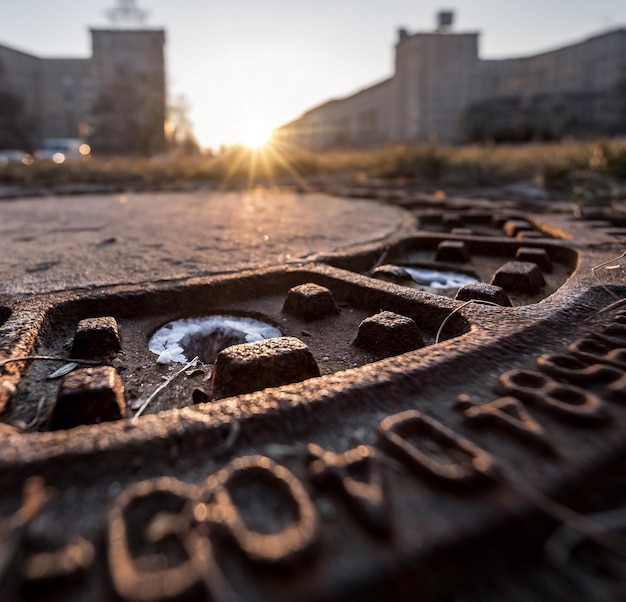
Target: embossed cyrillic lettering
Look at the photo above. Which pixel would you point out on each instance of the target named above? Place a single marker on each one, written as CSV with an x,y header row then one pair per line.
x,y
596,352
429,447
616,331
562,399
360,475
576,370
74,558
506,413
158,510
218,507
35,496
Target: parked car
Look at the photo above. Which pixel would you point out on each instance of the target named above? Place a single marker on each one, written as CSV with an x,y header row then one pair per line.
x,y
13,155
60,150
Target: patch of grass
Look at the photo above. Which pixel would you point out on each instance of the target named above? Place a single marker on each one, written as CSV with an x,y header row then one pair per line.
x,y
552,165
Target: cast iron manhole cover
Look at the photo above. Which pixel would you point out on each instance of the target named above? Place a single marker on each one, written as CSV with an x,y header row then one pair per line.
x,y
441,418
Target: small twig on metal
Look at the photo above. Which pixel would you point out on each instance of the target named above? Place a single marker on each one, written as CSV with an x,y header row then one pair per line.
x,y
162,386
233,435
459,308
231,438
35,420
47,358
566,538
382,258
601,265
586,525
608,308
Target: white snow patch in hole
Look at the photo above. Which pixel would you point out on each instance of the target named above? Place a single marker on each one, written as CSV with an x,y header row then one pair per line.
x,y
438,279
182,340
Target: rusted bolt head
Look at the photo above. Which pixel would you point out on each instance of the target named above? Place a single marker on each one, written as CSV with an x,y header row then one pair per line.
x,y
515,226
96,337
387,334
254,366
392,273
520,277
452,250
537,256
89,396
483,292
310,302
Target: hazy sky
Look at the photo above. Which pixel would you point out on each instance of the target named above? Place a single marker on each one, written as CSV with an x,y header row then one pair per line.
x,y
249,64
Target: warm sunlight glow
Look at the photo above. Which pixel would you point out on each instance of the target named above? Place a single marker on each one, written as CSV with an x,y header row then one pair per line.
x,y
257,136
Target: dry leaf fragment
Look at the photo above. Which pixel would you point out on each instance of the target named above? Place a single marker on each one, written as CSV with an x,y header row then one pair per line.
x,y
63,370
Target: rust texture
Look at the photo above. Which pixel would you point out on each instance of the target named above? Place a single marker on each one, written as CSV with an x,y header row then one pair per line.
x,y
400,439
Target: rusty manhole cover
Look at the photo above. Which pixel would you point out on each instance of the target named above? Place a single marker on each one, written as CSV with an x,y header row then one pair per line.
x,y
366,427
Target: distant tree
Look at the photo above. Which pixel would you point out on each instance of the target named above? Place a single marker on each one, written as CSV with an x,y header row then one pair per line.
x,y
179,129
128,118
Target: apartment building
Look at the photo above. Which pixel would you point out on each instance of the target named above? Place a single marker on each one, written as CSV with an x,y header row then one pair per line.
x,y
115,99
441,90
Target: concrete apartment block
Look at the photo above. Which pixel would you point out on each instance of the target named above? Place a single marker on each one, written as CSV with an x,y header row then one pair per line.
x,y
441,90
116,99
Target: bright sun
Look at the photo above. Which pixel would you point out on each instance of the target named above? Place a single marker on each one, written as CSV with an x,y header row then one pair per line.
x,y
257,136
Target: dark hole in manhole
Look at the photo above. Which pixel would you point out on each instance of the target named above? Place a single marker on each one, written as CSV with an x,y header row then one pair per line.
x,y
182,340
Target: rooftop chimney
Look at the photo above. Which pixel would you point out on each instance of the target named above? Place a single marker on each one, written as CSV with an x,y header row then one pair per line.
x,y
445,20
402,34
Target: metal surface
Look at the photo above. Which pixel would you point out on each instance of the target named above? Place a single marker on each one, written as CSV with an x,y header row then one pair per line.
x,y
454,471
